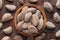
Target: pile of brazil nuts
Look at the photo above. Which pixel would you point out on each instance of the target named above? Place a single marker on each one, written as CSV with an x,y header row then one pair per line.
x,y
30,20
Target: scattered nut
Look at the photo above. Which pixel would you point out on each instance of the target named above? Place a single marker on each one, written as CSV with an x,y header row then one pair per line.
x,y
56,17
6,17
40,37
48,6
17,37
50,25
58,33
32,29
7,30
38,13
6,38
1,25
33,1
35,20
58,4
1,3
33,10
21,1
41,22
10,7
28,16
19,25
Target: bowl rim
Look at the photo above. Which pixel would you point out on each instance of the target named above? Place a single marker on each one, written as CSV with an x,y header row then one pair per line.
x,y
37,7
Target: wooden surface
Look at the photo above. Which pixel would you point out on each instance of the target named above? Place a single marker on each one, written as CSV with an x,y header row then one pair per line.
x,y
49,33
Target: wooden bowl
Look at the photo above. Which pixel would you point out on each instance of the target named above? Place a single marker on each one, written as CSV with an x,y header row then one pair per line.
x,y
37,7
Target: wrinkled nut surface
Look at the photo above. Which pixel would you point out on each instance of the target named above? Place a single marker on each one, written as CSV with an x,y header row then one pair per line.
x,y
41,22
48,6
6,17
17,37
1,3
31,9
1,25
25,26
10,7
7,30
21,15
58,33
28,16
56,17
50,25
32,29
6,38
19,25
58,4
21,1
33,1
40,37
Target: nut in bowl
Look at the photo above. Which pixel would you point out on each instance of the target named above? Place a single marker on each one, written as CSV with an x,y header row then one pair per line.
x,y
30,20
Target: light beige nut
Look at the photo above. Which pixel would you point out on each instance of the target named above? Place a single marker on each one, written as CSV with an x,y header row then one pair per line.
x,y
7,30
58,33
33,1
17,37
48,6
1,24
28,16
35,20
10,7
58,4
56,17
1,3
38,13
21,15
52,39
50,25
6,38
6,17
41,23
31,9
40,37
19,25
21,1
32,29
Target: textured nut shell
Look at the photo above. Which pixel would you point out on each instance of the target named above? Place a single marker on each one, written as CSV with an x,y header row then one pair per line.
x,y
58,33
7,30
6,17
